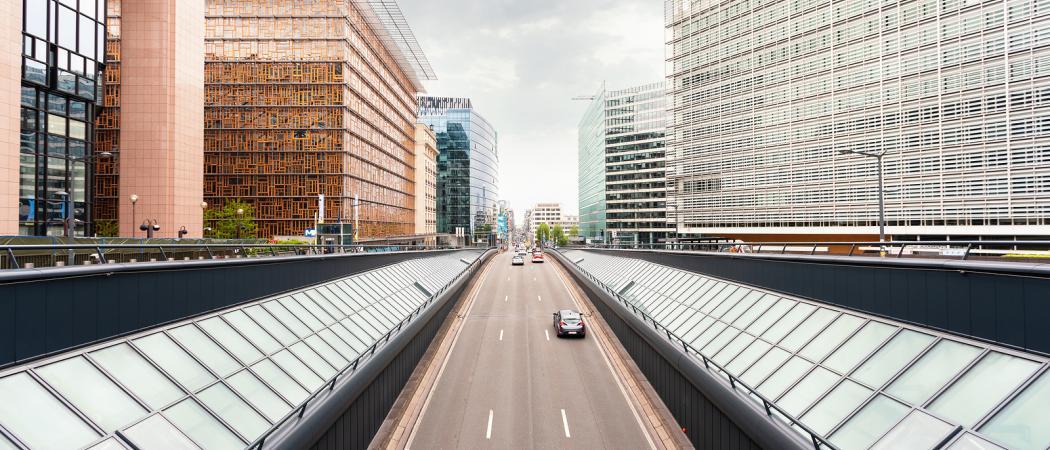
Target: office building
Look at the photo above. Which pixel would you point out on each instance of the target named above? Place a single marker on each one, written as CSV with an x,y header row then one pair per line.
x,y
309,98
622,166
550,214
468,164
50,69
765,97
426,180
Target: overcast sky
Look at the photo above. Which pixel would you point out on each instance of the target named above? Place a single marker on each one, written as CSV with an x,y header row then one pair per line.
x,y
521,62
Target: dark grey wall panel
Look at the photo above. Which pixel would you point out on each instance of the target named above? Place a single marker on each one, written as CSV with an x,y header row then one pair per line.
x,y
49,310
1004,303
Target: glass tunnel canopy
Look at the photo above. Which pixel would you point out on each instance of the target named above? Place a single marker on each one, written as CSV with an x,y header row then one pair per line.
x,y
219,381
860,382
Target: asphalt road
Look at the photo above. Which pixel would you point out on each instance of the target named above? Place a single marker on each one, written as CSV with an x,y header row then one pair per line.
x,y
510,382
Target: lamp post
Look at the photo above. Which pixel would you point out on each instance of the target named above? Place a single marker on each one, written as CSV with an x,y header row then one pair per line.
x,y
204,222
240,214
882,203
134,199
67,205
69,223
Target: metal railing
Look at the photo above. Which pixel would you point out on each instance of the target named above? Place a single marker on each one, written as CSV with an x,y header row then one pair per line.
x,y
351,368
1022,251
818,441
25,256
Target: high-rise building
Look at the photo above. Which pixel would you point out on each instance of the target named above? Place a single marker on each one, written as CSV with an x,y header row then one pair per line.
x,y
426,179
51,56
468,164
621,167
550,214
309,98
767,95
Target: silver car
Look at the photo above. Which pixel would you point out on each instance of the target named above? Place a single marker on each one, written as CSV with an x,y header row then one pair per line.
x,y
517,260
569,323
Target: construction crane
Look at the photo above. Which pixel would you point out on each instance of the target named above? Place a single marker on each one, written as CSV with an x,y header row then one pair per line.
x,y
584,98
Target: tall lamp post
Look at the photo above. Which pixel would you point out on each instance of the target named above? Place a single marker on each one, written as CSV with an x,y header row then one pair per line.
x,y
134,199
204,223
240,214
882,203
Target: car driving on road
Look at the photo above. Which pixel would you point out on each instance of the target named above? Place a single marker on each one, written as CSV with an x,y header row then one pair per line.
x,y
537,257
569,323
517,260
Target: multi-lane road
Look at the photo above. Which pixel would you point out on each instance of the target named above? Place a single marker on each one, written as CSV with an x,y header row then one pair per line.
x,y
509,382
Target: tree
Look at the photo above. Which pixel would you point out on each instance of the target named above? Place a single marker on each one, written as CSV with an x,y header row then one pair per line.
x,y
574,231
106,228
225,223
558,236
543,233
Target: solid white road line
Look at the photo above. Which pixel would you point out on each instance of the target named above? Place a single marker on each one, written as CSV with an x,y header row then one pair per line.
x,y
565,422
547,334
488,430
501,335
608,363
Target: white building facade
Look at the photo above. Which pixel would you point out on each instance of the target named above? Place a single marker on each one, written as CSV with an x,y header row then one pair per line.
x,y
769,97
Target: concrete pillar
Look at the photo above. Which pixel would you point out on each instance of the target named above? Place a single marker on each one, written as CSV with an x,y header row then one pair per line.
x,y
162,115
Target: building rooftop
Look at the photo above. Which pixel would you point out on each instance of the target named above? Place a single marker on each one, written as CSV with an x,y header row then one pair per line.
x,y
388,22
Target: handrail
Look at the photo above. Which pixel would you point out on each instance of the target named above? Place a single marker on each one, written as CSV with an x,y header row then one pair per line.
x,y
966,248
351,368
734,382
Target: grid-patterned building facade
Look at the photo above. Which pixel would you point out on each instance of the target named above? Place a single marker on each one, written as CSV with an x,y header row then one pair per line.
x,y
767,94
106,186
308,98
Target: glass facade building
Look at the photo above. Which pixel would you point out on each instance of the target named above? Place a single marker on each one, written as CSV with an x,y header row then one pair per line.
x,y
63,43
468,164
767,94
309,98
622,165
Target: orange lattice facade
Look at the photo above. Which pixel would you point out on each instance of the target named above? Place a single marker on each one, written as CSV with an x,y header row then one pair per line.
x,y
107,125
302,99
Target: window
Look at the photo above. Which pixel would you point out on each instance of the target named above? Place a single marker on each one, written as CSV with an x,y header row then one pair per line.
x,y
984,385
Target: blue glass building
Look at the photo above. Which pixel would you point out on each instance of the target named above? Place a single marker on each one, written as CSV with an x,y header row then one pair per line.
x,y
468,165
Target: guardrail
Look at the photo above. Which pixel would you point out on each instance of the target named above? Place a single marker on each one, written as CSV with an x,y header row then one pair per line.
x,y
987,250
735,383
350,369
28,256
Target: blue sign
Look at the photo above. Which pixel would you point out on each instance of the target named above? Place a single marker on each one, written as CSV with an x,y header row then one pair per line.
x,y
310,232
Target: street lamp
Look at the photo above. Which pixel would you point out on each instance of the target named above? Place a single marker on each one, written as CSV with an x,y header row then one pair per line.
x,y
240,214
882,203
67,204
204,222
134,199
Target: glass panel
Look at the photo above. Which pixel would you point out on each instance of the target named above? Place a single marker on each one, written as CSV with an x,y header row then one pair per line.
x,y
932,371
732,300
281,382
891,358
287,319
138,375
338,344
234,411
765,365
918,430
720,341
356,343
314,308
25,402
157,433
784,377
808,328
859,347
734,348
787,323
869,423
982,387
749,316
207,350
831,337
1024,423
259,395
92,393
108,444
173,360
807,391
202,427
274,327
835,406
748,356
297,370
313,360
231,340
326,351
253,331
742,306
969,441
770,316
301,313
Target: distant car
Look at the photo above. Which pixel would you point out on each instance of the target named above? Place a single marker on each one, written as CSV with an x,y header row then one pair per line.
x,y
537,257
569,323
517,260
522,252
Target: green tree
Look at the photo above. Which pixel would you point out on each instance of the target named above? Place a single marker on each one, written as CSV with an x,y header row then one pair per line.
x,y
107,228
543,233
558,236
225,223
574,231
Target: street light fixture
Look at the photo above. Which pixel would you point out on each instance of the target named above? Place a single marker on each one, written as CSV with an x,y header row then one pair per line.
x,y
134,199
240,214
882,202
204,222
